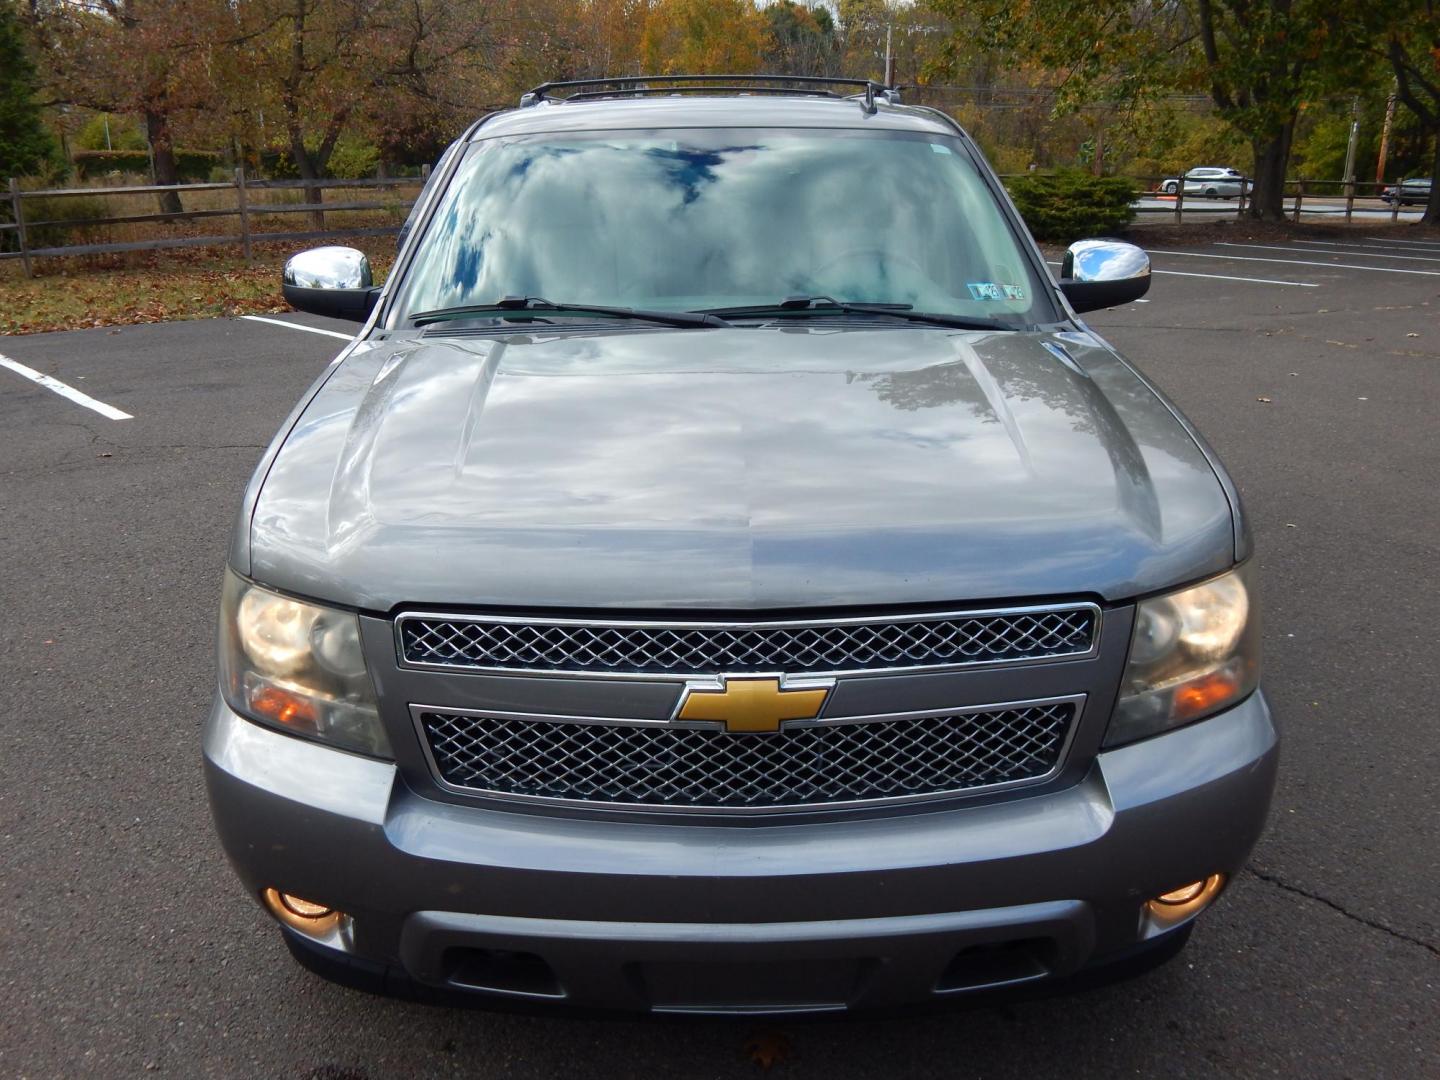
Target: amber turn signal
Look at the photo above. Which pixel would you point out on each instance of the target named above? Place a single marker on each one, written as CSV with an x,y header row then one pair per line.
x,y
1205,694
284,708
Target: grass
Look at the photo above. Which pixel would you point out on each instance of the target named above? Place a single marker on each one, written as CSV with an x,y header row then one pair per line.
x,y
199,283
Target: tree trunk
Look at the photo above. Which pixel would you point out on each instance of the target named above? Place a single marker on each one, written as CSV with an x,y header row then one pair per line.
x,y
306,166
1432,208
162,152
1272,158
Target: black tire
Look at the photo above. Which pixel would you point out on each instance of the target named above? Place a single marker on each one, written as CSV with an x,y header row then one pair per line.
x,y
1170,187
1212,193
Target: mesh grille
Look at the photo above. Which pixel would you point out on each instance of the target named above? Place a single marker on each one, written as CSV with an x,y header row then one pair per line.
x,y
686,650
823,763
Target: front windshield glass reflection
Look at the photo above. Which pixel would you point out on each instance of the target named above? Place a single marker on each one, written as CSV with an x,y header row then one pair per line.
x,y
724,217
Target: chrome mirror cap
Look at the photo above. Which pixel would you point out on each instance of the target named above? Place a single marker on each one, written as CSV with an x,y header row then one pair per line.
x,y
1104,260
328,268
1103,273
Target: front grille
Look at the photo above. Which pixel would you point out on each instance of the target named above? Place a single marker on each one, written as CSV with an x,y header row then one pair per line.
x,y
818,763
684,649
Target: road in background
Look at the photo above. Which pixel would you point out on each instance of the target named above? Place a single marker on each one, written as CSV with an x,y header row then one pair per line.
x,y
1154,207
129,949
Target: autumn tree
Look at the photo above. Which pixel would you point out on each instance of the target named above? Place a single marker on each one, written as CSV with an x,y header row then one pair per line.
x,y
699,37
606,38
915,34
318,68
862,37
1410,40
1258,60
24,143
148,57
800,40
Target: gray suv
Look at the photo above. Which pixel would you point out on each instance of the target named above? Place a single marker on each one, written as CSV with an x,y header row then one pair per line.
x,y
725,575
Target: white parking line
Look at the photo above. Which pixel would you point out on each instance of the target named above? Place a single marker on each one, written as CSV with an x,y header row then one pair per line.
x,y
299,326
1227,277
1299,262
1432,254
64,390
1250,280
1398,240
1312,251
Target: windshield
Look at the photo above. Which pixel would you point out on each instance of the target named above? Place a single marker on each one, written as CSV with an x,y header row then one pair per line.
x,y
715,218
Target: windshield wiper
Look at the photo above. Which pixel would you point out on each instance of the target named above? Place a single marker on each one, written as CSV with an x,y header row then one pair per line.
x,y
825,305
518,304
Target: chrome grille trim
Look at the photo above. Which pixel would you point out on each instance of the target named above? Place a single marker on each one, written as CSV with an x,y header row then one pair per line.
x,y
534,743
620,648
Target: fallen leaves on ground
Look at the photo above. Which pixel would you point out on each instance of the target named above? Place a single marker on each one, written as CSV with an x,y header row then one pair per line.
x,y
180,285
768,1049
123,297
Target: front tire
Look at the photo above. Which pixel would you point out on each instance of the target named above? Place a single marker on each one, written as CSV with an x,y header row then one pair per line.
x,y
1170,187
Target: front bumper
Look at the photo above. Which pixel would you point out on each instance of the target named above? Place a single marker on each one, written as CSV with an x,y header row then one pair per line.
x,y
845,912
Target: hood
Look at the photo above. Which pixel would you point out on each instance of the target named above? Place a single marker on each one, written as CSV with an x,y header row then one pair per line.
x,y
736,469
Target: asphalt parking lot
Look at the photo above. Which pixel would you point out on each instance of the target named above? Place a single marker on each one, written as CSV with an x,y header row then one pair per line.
x,y
1313,367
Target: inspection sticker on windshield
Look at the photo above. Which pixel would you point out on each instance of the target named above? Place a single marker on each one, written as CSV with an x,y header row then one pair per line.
x,y
989,290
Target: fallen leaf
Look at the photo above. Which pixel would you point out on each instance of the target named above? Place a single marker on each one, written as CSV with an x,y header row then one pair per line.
x,y
768,1049
1264,399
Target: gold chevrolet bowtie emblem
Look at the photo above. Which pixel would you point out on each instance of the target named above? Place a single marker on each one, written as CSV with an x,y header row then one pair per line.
x,y
753,704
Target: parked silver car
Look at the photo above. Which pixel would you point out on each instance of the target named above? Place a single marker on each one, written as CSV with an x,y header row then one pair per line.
x,y
1412,192
725,574
1213,182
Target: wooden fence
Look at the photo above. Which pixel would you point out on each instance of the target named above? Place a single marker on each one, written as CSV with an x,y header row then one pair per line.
x,y
1327,198
244,211
1314,198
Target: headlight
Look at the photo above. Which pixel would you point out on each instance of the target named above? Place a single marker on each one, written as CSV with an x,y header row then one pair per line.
x,y
298,667
1192,653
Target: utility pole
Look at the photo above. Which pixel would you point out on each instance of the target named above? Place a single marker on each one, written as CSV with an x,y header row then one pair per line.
x,y
1350,146
889,54
1385,138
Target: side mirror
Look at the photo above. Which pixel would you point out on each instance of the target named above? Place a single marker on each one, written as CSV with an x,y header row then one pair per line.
x,y
1103,273
330,281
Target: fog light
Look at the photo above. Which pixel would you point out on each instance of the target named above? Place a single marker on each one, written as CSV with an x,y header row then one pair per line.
x,y
1182,895
305,916
1174,907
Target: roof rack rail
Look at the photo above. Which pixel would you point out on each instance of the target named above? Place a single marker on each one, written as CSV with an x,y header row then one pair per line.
x,y
642,85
